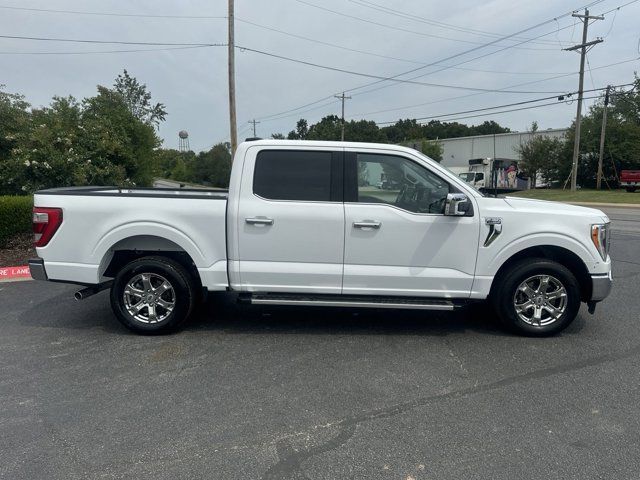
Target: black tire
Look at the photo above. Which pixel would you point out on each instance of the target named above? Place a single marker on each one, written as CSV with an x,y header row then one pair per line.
x,y
630,189
181,297
503,297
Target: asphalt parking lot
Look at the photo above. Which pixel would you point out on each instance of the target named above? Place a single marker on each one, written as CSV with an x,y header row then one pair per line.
x,y
293,393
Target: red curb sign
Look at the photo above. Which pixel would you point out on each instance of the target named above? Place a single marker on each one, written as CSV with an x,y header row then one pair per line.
x,y
9,273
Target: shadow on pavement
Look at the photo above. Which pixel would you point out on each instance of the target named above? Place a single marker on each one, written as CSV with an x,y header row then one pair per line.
x,y
222,313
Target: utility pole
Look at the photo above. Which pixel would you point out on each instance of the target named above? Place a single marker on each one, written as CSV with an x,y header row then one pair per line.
x,y
343,98
254,122
583,53
232,83
602,134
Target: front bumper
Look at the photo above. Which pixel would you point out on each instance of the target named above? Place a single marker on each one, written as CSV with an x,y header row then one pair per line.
x,y
601,286
36,267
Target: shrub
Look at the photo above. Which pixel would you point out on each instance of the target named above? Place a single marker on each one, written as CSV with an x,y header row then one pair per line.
x,y
15,216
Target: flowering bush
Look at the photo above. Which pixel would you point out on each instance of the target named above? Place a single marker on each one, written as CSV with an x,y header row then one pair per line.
x,y
96,141
15,216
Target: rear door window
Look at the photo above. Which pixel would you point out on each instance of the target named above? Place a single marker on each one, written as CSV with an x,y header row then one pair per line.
x,y
294,175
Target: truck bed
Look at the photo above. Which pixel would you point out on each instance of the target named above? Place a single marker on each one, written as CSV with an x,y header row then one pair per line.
x,y
99,221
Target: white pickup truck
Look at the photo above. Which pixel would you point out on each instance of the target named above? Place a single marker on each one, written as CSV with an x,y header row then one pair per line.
x,y
306,223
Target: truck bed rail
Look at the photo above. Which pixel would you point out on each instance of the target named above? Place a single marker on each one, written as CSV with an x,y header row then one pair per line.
x,y
153,192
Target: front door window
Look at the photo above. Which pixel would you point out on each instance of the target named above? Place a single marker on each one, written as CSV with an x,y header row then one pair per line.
x,y
399,182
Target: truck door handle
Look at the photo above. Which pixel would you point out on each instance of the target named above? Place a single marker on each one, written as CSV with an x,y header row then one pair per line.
x,y
259,221
367,224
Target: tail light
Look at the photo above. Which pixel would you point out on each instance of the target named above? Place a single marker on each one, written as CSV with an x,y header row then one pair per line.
x,y
45,224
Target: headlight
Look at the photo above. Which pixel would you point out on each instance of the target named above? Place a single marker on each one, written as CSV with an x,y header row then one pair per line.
x,y
601,238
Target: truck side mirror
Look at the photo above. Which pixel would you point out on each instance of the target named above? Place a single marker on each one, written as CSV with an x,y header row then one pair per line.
x,y
456,205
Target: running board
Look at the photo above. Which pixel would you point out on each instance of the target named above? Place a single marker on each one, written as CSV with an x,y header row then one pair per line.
x,y
349,301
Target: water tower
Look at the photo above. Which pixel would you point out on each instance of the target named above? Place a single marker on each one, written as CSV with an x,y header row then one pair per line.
x,y
183,141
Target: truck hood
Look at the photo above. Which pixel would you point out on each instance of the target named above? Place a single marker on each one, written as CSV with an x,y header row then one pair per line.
x,y
555,208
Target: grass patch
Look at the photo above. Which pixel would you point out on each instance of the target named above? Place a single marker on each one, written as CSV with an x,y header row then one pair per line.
x,y
15,217
583,195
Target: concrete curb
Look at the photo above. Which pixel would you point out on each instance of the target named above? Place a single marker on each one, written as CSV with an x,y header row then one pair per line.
x,y
609,205
14,274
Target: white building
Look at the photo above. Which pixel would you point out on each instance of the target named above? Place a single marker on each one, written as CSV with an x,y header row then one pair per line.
x,y
458,151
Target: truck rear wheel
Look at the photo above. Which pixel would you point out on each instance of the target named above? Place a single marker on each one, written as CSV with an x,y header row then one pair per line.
x,y
536,297
153,295
631,189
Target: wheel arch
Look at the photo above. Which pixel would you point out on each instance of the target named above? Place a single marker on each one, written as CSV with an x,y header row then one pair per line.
x,y
555,253
133,247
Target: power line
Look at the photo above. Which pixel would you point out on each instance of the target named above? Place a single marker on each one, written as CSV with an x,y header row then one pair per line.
x,y
282,114
118,42
524,102
458,113
515,109
342,47
400,29
415,105
417,18
110,51
461,54
456,64
109,14
388,57
497,51
329,44
297,109
299,112
379,77
511,110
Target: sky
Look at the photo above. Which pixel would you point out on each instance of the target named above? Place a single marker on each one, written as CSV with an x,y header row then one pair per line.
x,y
363,38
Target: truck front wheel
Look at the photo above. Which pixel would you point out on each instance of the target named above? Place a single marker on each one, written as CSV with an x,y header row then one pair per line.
x,y
153,295
536,297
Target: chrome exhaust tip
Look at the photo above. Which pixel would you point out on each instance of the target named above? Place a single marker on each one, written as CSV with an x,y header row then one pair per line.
x,y
92,290
85,293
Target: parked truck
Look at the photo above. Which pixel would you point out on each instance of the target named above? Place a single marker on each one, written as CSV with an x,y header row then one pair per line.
x,y
630,180
304,223
496,175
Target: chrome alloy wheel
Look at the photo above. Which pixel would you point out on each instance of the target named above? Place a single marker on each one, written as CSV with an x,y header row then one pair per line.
x,y
149,298
540,300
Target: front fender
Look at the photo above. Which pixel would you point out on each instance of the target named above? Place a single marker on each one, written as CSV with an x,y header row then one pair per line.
x,y
493,262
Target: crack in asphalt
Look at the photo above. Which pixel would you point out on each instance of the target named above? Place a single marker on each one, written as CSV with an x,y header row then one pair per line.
x,y
290,460
290,465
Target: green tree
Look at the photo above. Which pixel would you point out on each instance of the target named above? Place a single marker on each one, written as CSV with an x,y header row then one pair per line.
x,y
432,149
116,141
329,128
622,145
179,171
403,130
409,130
15,122
101,140
44,155
488,127
363,131
542,156
212,167
170,163
300,133
138,99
